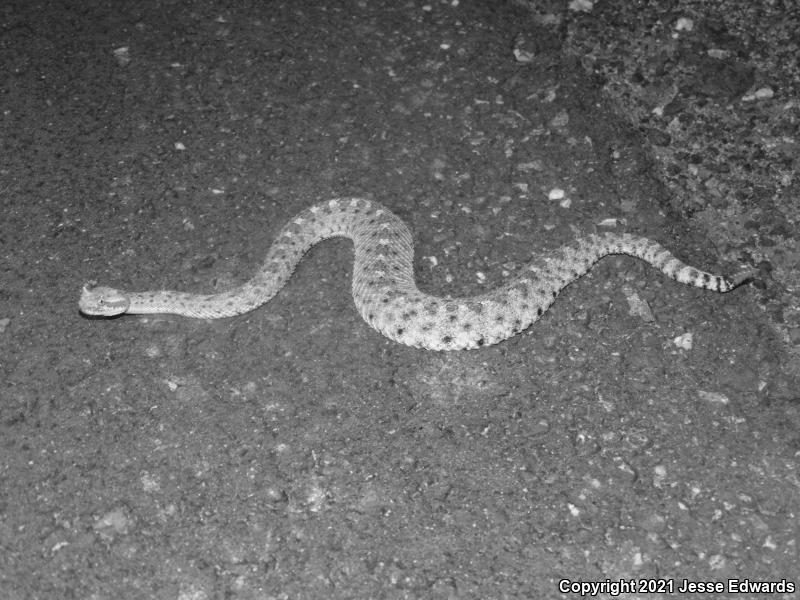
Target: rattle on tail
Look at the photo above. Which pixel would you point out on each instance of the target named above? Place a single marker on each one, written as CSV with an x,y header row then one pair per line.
x,y
384,289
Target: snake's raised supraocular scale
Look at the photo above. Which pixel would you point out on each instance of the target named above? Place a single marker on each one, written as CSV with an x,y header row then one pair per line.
x,y
383,281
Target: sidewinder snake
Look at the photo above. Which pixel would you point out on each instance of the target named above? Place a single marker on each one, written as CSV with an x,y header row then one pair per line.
x,y
384,289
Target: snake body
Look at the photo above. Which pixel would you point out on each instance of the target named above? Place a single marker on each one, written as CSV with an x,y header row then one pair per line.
x,y
384,289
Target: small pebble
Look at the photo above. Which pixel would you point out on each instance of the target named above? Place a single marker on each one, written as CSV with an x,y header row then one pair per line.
x,y
717,562
523,56
122,55
637,307
659,475
535,165
684,342
112,522
764,92
581,5
718,53
560,120
713,397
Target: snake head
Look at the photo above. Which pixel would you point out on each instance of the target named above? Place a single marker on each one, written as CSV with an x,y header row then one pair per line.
x,y
102,301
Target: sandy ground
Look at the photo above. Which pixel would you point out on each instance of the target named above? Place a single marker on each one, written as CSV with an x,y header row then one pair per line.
x,y
294,452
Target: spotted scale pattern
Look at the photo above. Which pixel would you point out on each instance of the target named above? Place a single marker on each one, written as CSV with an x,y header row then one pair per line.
x,y
383,281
